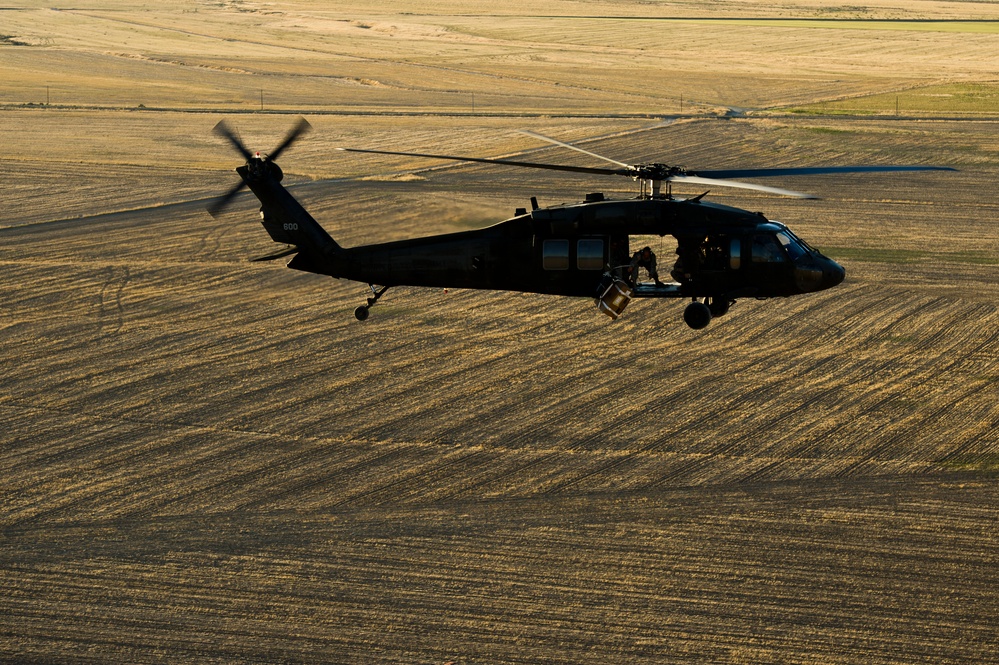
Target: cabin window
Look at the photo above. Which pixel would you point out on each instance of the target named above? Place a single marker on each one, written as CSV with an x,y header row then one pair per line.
x,y
735,254
590,254
766,249
555,255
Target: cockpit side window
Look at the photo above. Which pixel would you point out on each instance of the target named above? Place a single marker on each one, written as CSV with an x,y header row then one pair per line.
x,y
766,249
793,246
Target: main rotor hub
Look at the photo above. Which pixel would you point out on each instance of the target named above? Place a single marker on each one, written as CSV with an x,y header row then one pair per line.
x,y
652,177
657,171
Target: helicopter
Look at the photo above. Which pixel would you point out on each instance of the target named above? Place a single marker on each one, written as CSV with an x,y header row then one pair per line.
x,y
579,249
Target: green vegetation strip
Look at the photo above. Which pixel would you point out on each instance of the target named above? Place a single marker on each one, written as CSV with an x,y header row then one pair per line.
x,y
883,255
981,27
845,22
980,97
987,463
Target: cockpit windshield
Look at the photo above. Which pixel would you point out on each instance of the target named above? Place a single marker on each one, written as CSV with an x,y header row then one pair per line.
x,y
795,248
767,250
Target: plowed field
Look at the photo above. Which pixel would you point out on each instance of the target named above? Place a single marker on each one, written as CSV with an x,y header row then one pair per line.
x,y
205,459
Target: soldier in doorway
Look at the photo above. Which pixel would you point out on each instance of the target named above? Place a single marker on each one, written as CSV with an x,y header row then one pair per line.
x,y
644,258
690,259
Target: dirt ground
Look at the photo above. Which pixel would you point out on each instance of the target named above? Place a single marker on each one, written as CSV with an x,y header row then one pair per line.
x,y
208,460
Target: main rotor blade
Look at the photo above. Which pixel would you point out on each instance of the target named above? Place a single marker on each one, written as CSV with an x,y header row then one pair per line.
x,y
811,170
302,127
216,207
572,147
698,180
507,162
222,129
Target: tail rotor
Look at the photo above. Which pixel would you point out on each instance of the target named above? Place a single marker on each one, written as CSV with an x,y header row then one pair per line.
x,y
256,166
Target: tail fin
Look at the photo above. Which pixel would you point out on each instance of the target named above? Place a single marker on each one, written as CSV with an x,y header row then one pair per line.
x,y
287,222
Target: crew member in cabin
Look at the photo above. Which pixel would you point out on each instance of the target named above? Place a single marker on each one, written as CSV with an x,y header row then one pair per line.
x,y
644,258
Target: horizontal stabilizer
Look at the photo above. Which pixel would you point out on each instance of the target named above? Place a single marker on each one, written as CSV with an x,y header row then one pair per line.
x,y
279,255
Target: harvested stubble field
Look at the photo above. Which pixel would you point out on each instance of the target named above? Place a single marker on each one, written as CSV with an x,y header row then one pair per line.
x,y
208,460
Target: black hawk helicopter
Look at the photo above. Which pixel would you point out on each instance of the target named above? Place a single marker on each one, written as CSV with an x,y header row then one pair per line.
x,y
581,250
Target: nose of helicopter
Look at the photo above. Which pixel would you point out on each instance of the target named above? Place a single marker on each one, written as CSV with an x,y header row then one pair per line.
x,y
815,272
832,274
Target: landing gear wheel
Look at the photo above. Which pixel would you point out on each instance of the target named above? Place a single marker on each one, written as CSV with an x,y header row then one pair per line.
x,y
361,313
697,315
719,306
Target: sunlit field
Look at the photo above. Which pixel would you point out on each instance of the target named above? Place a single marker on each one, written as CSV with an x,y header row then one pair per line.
x,y
209,460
